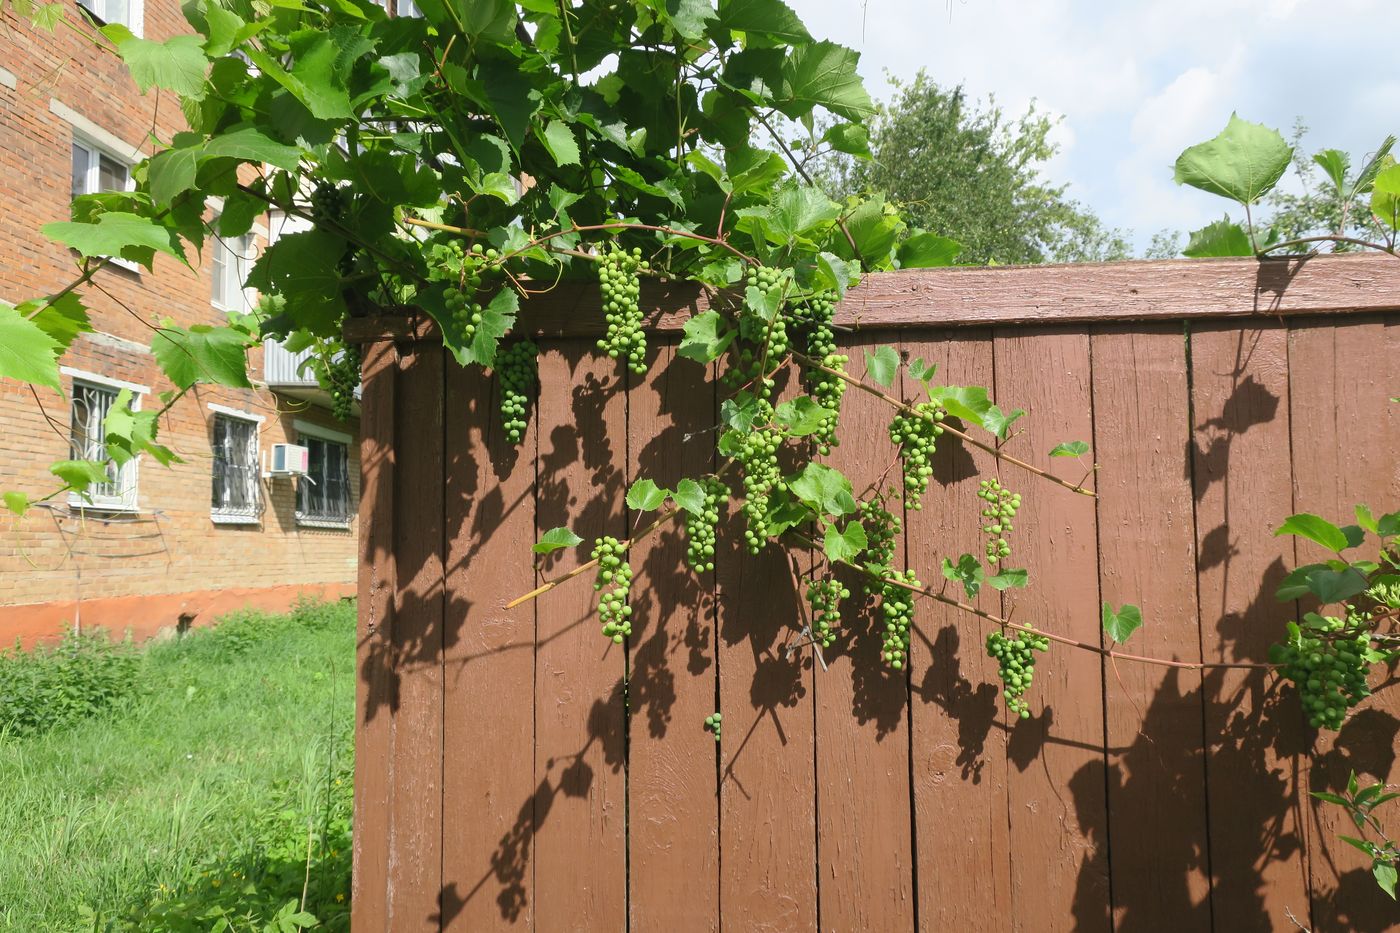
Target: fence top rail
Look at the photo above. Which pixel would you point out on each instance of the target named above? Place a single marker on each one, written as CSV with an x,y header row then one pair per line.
x,y
975,296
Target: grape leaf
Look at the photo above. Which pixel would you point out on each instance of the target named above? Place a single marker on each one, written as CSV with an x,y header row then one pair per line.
x,y
1221,238
690,496
1069,449
927,251
999,422
882,364
80,474
1306,525
556,538
823,74
202,354
558,138
844,545
1008,579
801,416
178,64
967,571
17,502
116,233
1121,623
706,336
27,353
1242,163
823,488
646,496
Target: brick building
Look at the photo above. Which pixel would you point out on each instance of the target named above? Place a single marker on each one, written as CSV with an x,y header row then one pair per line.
x,y
209,534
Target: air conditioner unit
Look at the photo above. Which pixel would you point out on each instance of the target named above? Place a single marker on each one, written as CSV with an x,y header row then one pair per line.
x,y
289,460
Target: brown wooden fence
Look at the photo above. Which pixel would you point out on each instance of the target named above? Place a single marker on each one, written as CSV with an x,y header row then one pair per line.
x,y
517,770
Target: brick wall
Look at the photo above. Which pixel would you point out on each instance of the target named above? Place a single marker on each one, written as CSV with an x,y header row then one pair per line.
x,y
53,87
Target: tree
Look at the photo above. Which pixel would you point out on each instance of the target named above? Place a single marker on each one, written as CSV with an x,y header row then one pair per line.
x,y
972,174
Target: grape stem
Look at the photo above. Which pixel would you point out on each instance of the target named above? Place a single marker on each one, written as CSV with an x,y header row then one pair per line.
x,y
626,545
1062,639
947,428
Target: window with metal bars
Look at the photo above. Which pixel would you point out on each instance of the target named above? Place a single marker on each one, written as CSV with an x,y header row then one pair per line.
x,y
236,497
88,441
323,494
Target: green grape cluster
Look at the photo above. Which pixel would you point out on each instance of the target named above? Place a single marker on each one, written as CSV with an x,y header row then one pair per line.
x,y
622,310
812,332
616,573
898,606
916,434
713,722
518,367
342,378
700,528
1327,661
825,595
327,204
1001,508
464,272
1016,665
755,365
881,532
758,453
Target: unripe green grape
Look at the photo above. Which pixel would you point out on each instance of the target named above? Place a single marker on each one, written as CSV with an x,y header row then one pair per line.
x,y
1327,660
620,287
616,574
916,434
897,618
1001,508
1015,658
825,595
700,528
517,366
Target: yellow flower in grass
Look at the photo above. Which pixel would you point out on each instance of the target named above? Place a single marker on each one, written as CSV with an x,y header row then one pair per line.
x,y
340,898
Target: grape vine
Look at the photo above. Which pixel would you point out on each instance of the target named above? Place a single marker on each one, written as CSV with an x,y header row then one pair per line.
x,y
1016,665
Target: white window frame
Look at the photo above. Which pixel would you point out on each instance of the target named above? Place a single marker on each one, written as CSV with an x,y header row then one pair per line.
x,y
253,514
102,10
305,430
128,474
91,183
235,253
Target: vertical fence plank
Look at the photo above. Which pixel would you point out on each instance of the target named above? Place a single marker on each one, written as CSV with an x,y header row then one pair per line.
x,y
1156,777
376,687
673,834
580,847
958,741
1243,489
866,877
1056,781
767,783
415,804
489,663
1345,436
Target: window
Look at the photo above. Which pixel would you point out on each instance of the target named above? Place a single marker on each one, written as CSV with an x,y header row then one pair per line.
x,y
95,171
407,8
233,257
91,403
127,12
236,497
323,494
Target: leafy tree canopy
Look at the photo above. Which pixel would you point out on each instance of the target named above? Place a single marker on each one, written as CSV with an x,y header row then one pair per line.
x,y
973,174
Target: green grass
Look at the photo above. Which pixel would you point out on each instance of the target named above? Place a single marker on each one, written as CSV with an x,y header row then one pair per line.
x,y
188,793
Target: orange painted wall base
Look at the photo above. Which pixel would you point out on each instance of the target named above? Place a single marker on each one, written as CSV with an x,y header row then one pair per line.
x,y
145,616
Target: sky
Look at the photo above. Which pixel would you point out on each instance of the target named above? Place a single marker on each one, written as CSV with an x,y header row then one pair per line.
x,y
1136,82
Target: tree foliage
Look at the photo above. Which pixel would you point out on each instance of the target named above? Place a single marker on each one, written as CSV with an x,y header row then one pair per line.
x,y
972,173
